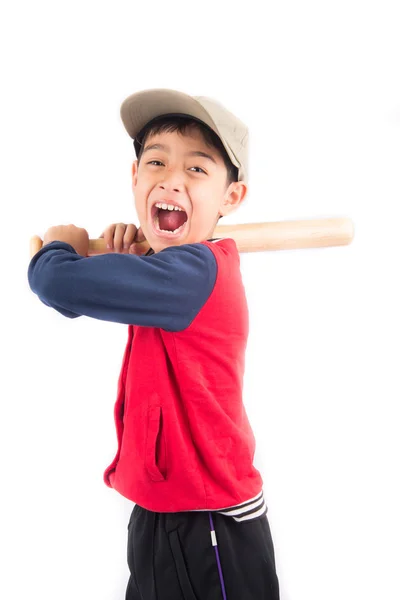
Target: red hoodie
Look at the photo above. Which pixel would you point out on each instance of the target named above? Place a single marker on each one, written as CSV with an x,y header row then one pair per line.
x,y
184,439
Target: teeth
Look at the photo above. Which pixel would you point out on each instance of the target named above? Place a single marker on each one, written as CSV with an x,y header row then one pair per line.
x,y
167,206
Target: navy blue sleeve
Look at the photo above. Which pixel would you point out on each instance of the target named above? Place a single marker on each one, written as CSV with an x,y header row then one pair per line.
x,y
166,289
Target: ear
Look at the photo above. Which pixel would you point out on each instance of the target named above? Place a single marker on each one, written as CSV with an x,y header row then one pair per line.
x,y
134,174
233,197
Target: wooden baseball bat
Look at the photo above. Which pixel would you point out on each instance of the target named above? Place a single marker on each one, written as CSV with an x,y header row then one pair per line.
x,y
257,237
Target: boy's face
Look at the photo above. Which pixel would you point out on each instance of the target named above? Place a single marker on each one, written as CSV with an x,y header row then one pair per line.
x,y
172,172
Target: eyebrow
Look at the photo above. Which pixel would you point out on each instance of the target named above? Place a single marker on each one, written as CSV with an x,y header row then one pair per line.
x,y
166,149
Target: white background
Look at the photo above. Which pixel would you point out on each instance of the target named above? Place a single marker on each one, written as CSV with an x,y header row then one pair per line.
x,y
318,85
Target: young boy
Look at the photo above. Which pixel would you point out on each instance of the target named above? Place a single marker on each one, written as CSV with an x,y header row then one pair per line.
x,y
199,529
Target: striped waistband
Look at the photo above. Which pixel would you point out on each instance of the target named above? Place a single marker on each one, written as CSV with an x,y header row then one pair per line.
x,y
246,511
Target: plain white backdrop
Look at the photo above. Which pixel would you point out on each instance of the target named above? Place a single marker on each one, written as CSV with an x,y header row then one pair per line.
x,y
318,85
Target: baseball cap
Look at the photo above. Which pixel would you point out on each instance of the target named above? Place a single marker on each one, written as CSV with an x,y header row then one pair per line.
x,y
147,105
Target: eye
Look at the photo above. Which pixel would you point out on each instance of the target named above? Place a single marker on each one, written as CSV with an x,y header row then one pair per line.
x,y
200,169
155,161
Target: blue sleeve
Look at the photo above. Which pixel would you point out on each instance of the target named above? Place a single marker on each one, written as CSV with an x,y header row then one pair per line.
x,y
166,289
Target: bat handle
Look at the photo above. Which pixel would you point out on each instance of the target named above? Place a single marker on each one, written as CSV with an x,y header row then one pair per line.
x,y
96,246
35,244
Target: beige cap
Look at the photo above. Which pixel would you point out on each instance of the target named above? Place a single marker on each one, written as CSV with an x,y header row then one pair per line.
x,y
140,108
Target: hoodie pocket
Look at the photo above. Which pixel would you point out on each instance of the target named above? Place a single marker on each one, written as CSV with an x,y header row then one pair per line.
x,y
181,568
156,453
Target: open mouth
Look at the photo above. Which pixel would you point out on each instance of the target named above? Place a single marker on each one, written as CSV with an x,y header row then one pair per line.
x,y
168,222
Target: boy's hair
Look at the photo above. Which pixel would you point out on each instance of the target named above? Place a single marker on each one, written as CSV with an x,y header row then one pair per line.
x,y
178,123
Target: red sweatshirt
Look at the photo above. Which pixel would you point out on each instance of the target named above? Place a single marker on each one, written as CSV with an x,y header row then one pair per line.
x,y
184,439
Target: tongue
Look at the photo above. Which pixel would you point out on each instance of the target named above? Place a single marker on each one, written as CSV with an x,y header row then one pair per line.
x,y
171,219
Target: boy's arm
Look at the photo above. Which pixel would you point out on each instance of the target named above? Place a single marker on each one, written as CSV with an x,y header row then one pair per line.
x,y
166,289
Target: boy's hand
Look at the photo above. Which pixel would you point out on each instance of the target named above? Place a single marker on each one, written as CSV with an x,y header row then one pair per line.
x,y
77,237
123,238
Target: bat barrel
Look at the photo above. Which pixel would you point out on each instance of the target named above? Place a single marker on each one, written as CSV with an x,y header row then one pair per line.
x,y
289,235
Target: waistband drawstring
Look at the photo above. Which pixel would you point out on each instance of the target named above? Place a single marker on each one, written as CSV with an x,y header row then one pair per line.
x,y
214,543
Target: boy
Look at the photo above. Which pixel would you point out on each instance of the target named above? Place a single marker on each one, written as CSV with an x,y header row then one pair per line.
x,y
199,529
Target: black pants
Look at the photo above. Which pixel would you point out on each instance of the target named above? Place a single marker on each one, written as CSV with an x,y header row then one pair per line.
x,y
173,556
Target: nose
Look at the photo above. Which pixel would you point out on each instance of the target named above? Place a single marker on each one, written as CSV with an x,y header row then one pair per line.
x,y
172,181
